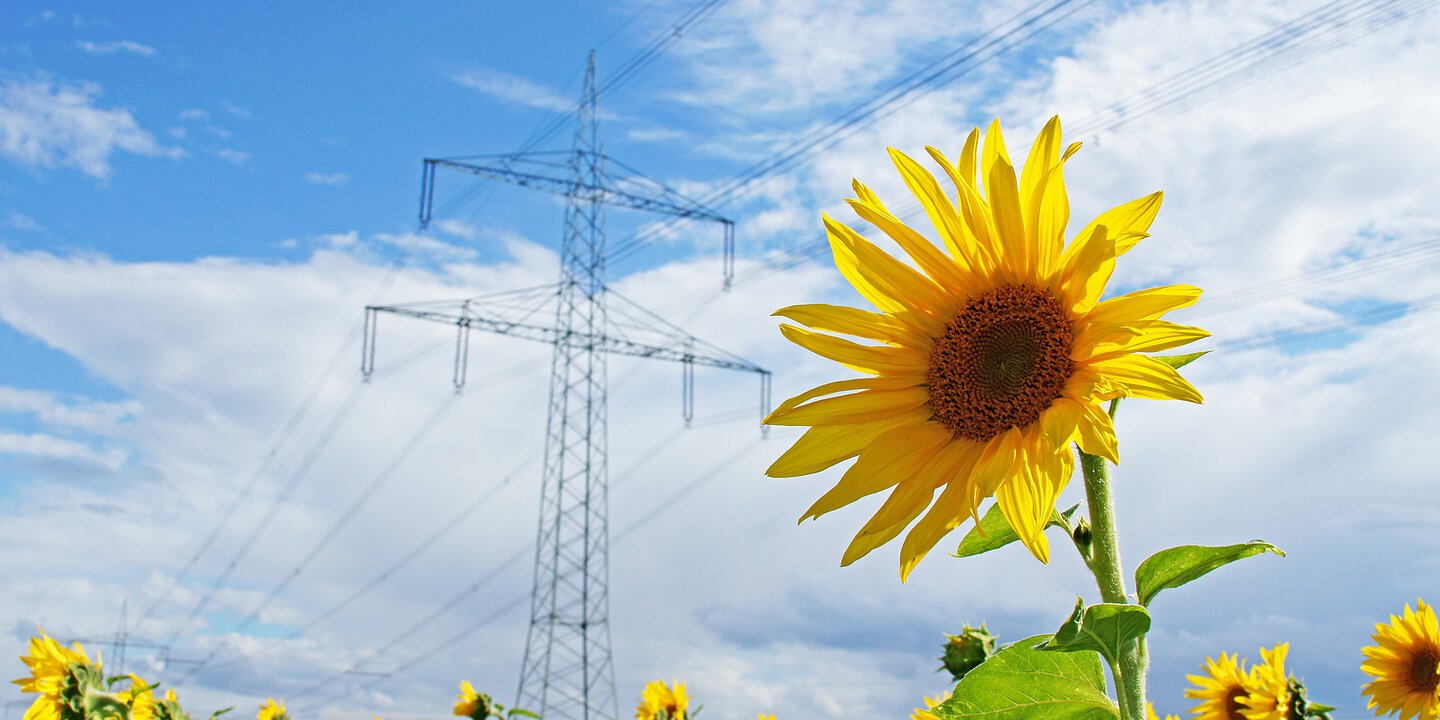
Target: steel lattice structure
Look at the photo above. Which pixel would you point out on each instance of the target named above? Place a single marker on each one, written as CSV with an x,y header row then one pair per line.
x,y
568,673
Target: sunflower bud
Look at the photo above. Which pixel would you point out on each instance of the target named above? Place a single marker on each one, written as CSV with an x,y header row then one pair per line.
x,y
965,652
1300,706
1083,538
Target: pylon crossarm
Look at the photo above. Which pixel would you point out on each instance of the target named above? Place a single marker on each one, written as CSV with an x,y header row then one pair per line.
x,y
464,315
667,202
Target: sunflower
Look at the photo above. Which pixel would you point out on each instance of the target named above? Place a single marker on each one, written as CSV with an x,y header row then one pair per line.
x,y
1225,689
1404,662
660,702
140,698
986,361
1270,697
930,704
61,676
273,710
473,704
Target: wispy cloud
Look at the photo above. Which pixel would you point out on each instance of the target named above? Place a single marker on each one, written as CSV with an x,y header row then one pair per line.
x,y
235,110
194,114
53,448
458,228
334,178
111,47
21,221
511,89
239,157
48,124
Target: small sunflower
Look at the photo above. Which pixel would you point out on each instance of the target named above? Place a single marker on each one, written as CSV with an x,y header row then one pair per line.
x,y
1225,689
661,702
985,362
473,704
61,676
1406,664
1270,697
273,710
930,704
140,698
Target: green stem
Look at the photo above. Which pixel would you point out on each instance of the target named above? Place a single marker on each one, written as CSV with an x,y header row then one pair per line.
x,y
1105,565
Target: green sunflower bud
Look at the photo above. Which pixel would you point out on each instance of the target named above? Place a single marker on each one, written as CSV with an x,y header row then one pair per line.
x,y
1083,538
1300,706
965,652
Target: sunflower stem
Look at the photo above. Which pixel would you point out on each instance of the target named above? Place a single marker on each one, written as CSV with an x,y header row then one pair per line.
x,y
1105,565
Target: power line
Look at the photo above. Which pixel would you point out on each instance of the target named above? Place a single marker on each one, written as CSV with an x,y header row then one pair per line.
x,y
281,499
422,432
993,43
657,511
1305,24
632,66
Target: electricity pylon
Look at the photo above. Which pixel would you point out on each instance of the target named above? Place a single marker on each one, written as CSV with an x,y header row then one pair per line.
x,y
567,673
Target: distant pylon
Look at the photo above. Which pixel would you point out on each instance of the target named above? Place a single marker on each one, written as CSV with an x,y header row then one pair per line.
x,y
568,673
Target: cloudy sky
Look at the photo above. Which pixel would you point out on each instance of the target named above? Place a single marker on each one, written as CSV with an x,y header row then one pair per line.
x,y
195,205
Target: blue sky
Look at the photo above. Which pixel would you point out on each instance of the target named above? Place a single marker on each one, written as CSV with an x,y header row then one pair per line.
x,y
196,203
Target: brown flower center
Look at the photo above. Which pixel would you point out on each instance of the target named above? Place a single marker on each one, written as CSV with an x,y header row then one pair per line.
x,y
1000,362
1422,671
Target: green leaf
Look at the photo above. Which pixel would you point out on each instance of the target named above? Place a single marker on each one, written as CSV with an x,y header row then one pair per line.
x,y
1103,628
1022,683
1179,565
1179,361
994,531
523,713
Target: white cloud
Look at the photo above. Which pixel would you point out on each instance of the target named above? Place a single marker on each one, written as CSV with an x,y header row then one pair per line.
x,y
458,228
1312,448
194,114
81,413
219,132
231,155
334,178
50,124
235,110
21,221
50,447
512,89
111,47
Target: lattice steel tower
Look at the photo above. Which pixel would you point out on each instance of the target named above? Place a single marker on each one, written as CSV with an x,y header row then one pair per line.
x,y
567,672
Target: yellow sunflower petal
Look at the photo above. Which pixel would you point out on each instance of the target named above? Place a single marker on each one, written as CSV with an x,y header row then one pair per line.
x,y
892,285
863,406
945,271
1147,304
873,359
1060,420
842,386
914,493
1151,336
1097,433
919,487
1044,153
1018,254
858,323
938,207
1145,377
1083,278
959,500
1028,496
893,456
1128,223
823,446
